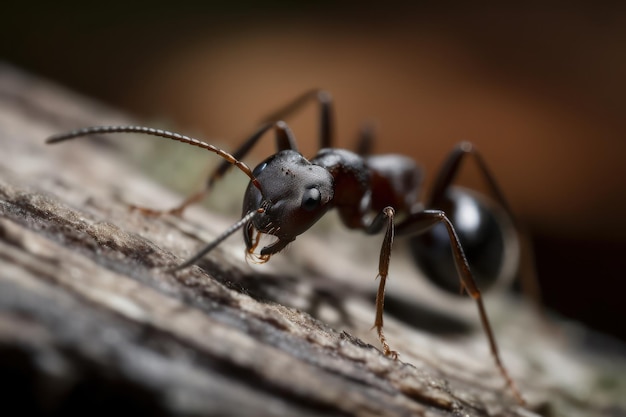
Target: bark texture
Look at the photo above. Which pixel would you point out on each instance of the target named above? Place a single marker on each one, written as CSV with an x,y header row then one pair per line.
x,y
90,323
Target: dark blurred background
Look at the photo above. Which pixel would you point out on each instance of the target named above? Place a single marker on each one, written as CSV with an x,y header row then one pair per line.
x,y
539,87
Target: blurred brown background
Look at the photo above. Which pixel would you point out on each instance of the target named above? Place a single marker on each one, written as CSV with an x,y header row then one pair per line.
x,y
540,88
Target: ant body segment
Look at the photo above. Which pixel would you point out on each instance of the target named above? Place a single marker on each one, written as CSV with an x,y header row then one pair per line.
x,y
287,194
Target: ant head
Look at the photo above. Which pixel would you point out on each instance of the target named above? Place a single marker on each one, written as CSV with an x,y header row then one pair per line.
x,y
294,195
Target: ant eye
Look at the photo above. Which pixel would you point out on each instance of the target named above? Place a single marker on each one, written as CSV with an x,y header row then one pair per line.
x,y
311,199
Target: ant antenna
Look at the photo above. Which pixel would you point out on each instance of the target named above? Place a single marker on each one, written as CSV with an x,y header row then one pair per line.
x,y
97,130
208,248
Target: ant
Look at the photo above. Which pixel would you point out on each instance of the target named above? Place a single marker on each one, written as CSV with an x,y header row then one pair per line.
x,y
287,194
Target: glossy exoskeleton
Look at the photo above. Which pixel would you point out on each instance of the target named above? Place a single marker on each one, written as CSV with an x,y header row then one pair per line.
x,y
288,193
487,234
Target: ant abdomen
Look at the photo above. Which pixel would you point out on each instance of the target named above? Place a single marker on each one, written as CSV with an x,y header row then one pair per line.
x,y
486,233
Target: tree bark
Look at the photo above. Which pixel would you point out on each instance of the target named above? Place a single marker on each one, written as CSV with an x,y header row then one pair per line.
x,y
91,322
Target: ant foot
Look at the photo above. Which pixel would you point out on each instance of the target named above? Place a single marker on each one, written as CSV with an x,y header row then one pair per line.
x,y
386,349
393,354
178,211
157,213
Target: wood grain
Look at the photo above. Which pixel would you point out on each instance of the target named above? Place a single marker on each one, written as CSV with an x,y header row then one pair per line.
x,y
91,323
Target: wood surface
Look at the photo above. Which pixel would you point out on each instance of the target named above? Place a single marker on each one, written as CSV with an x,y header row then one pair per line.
x,y
91,324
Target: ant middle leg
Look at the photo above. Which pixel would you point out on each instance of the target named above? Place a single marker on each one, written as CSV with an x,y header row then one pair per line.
x,y
326,117
448,172
383,220
387,214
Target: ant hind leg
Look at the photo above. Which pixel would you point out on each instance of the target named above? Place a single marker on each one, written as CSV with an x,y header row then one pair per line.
x,y
423,220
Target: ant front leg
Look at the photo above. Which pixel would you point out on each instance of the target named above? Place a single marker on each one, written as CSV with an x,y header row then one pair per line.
x,y
423,220
284,140
365,140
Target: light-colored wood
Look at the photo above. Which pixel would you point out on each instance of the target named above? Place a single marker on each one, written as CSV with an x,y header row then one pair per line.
x,y
85,306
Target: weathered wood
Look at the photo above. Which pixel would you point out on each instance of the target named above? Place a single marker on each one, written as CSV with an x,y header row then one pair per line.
x,y
90,323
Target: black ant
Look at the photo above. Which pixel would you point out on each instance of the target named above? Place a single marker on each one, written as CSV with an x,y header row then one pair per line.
x,y
287,194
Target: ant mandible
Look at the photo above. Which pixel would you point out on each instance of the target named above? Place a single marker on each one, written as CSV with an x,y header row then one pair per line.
x,y
287,194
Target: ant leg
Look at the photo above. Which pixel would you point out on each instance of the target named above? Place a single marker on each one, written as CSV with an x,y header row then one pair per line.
x,y
365,140
421,221
450,168
326,120
383,271
176,211
284,140
447,174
